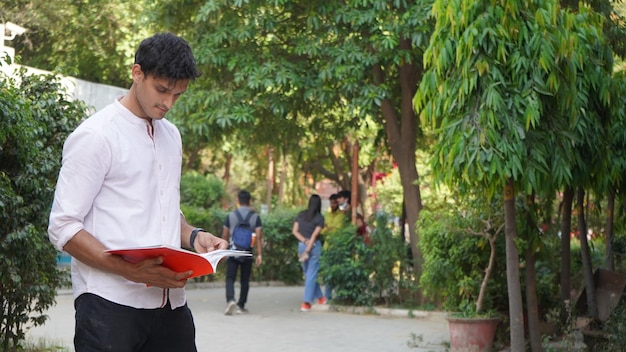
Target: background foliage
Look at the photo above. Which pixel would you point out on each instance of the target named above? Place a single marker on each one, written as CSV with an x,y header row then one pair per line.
x,y
345,265
197,190
455,262
523,89
36,118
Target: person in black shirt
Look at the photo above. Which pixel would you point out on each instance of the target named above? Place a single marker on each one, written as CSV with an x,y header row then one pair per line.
x,y
306,229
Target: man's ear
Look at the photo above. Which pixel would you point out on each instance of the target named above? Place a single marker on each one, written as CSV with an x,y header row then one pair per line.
x,y
136,73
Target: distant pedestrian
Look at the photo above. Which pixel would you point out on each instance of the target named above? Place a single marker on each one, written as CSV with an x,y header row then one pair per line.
x,y
306,229
344,199
334,219
241,264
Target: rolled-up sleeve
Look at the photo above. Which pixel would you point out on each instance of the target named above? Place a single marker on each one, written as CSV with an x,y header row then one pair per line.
x,y
86,160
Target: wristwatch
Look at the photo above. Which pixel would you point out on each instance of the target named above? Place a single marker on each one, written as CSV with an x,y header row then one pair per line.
x,y
192,238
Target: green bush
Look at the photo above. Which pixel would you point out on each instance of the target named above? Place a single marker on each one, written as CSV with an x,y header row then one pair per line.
x,y
36,118
346,265
201,191
211,219
364,275
455,261
611,335
391,269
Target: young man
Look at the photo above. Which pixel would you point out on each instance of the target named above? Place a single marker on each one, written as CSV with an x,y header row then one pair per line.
x,y
344,198
119,187
343,201
334,219
242,264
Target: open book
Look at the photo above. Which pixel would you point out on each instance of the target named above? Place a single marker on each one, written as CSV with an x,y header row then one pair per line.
x,y
178,259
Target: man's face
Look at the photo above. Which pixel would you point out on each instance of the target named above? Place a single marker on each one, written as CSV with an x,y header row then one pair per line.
x,y
341,202
334,204
156,96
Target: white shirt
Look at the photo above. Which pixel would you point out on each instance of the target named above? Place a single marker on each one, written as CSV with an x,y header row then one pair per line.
x,y
122,185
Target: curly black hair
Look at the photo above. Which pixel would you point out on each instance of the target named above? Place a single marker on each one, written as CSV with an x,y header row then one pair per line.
x,y
165,55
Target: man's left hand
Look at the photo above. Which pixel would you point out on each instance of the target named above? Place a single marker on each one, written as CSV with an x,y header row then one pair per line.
x,y
207,242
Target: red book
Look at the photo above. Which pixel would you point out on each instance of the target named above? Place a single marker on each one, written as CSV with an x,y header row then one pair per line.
x,y
178,259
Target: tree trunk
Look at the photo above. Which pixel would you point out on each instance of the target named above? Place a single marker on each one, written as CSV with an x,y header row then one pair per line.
x,y
355,180
516,310
585,252
194,159
226,177
532,304
270,177
492,259
283,179
566,262
402,135
609,263
402,222
343,169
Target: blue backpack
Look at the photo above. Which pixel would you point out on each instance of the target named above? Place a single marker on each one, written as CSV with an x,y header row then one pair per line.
x,y
242,233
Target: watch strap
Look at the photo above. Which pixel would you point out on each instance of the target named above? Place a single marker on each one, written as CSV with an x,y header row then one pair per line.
x,y
193,236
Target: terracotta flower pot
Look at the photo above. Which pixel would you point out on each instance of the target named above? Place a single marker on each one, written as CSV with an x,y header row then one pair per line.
x,y
472,334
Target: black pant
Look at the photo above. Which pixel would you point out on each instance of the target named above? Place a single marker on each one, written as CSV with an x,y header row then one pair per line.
x,y
232,265
102,325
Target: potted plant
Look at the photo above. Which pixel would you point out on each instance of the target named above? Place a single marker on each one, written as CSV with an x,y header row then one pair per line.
x,y
473,328
458,271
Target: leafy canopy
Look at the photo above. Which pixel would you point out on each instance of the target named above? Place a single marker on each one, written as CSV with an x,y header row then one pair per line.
x,y
504,89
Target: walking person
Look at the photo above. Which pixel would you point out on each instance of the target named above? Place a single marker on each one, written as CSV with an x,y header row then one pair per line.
x,y
252,227
119,187
306,229
333,221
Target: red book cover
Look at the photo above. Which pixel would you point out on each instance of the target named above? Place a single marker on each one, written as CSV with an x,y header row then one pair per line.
x,y
178,259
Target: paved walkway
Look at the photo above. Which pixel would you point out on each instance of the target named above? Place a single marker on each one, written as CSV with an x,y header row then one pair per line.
x,y
275,323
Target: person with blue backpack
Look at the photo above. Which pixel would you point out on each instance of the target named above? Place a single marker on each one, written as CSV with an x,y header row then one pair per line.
x,y
242,228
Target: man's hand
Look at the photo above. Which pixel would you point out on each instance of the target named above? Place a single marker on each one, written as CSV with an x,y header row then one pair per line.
x,y
206,242
152,273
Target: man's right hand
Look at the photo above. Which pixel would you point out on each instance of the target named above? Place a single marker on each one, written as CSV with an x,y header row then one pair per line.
x,y
152,273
